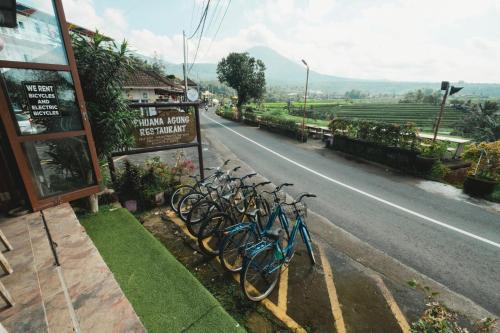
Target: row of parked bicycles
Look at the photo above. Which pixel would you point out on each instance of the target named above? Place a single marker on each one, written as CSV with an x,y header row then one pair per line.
x,y
253,231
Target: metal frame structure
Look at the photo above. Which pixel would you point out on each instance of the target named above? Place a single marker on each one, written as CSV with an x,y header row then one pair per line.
x,y
16,140
182,105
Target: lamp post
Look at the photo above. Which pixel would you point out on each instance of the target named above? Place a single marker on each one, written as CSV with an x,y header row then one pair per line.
x,y
305,101
445,85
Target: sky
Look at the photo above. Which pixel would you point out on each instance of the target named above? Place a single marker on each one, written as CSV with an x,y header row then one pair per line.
x,y
403,40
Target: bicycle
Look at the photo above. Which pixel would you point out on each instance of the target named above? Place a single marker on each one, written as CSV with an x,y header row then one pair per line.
x,y
229,198
239,237
189,200
211,230
199,186
264,260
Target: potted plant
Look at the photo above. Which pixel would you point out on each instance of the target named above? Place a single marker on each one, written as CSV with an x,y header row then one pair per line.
x,y
128,185
156,179
429,155
484,173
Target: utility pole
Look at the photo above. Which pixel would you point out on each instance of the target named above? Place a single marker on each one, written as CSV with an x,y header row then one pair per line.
x,y
305,101
184,67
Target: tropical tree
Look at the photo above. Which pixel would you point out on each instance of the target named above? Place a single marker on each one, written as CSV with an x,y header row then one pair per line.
x,y
244,74
481,122
102,67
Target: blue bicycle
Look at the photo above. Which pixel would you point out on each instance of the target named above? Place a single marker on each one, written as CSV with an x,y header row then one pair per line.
x,y
238,237
264,260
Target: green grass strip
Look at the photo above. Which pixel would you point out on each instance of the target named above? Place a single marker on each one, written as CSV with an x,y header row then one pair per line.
x,y
164,294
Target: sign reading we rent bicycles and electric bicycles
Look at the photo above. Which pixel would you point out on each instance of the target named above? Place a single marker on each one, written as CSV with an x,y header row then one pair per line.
x,y
171,128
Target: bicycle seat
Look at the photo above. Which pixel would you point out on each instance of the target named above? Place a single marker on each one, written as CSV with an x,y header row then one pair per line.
x,y
252,213
228,196
275,234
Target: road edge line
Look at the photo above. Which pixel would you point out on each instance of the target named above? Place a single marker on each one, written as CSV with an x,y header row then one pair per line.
x,y
369,195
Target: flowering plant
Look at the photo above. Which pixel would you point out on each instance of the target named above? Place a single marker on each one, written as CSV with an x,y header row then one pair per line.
x,y
485,159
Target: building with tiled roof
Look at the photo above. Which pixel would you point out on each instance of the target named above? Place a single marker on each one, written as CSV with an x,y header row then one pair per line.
x,y
145,86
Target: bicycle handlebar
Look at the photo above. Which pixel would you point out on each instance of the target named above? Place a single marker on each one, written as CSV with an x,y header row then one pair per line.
x,y
283,185
250,175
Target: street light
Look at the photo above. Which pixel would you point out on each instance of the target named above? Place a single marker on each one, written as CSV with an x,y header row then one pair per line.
x,y
305,101
445,85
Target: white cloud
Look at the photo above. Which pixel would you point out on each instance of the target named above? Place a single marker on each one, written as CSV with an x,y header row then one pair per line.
x,y
373,39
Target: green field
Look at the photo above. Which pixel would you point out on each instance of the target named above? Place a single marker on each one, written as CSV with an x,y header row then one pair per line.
x,y
422,115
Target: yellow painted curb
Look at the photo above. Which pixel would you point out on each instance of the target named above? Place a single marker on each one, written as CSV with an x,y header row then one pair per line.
x,y
396,311
273,308
332,293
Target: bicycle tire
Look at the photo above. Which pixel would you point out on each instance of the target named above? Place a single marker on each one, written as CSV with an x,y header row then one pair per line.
x,y
187,202
252,270
178,194
198,213
211,232
231,252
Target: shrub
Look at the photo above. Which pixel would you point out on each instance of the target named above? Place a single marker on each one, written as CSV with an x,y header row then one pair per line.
x,y
249,115
386,134
280,122
436,149
485,159
226,112
143,183
439,171
287,126
128,182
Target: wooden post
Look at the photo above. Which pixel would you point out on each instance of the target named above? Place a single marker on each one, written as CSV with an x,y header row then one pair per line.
x,y
5,241
5,295
5,264
443,103
198,139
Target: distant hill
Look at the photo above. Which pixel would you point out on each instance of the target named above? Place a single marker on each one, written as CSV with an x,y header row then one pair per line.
x,y
283,72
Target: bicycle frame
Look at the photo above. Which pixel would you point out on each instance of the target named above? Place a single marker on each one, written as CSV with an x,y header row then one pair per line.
x,y
285,253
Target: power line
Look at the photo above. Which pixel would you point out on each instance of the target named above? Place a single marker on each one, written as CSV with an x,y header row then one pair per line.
x,y
201,35
215,12
192,15
218,28
202,20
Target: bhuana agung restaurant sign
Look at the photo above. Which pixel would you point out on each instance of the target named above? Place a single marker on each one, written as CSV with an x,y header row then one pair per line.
x,y
42,99
173,128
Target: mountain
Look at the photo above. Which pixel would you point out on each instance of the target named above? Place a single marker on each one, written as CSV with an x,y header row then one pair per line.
x,y
283,72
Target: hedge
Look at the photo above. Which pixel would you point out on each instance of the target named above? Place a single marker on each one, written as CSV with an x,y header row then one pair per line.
x,y
384,134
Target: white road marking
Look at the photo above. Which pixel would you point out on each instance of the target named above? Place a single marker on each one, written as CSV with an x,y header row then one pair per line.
x,y
406,210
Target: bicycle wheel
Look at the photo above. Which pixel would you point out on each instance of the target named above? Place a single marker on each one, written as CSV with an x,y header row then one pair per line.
x,y
178,194
211,232
233,247
187,203
306,237
260,274
199,212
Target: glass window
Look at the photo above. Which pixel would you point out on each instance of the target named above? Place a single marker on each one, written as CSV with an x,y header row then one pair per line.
x,y
59,166
41,45
45,99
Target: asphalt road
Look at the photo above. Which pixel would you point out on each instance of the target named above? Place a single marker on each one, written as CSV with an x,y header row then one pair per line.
x,y
455,242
